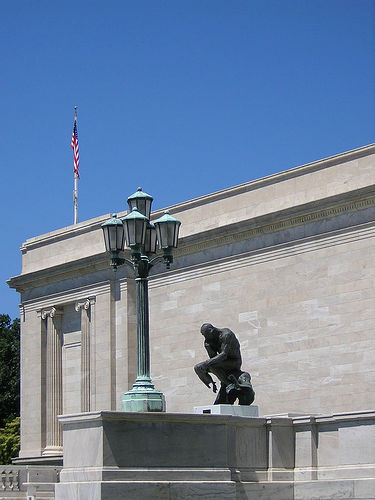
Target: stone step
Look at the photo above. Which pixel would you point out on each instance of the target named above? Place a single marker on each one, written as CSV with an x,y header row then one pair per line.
x,y
40,491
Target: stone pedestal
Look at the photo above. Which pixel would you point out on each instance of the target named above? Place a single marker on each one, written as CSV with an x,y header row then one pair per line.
x,y
234,410
117,455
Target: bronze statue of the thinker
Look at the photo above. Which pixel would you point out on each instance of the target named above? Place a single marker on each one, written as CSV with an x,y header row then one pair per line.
x,y
225,362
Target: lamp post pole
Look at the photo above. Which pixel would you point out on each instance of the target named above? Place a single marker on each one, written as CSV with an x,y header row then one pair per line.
x,y
143,396
142,237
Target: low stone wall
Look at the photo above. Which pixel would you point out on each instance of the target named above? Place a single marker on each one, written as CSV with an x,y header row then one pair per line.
x,y
32,482
114,455
339,446
13,481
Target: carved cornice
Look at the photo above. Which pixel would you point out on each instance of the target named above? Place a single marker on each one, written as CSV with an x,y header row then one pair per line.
x,y
60,272
252,228
94,224
66,297
274,226
259,256
274,178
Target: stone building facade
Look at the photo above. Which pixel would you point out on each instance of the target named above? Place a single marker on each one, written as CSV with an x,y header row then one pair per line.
x,y
287,262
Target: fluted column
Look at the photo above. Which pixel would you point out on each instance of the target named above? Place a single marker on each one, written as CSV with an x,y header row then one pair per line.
x,y
85,308
53,380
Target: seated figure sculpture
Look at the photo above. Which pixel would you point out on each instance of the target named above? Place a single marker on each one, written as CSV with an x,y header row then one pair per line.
x,y
225,362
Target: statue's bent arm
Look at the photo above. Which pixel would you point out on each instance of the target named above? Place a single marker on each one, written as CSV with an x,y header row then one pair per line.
x,y
210,351
218,358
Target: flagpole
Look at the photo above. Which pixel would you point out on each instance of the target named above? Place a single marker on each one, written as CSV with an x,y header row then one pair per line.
x,y
75,199
75,171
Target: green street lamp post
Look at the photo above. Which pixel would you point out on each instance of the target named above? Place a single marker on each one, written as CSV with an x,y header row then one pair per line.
x,y
142,237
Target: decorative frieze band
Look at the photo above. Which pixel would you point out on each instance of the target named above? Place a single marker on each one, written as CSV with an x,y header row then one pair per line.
x,y
262,255
279,225
69,297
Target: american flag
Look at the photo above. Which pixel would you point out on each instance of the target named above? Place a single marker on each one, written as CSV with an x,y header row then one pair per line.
x,y
75,147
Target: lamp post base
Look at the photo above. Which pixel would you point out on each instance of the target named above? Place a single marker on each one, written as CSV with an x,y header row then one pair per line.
x,y
143,397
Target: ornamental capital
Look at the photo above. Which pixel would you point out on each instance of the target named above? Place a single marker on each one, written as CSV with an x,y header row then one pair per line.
x,y
49,312
84,303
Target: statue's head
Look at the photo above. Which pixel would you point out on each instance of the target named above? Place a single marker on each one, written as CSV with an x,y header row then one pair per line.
x,y
208,331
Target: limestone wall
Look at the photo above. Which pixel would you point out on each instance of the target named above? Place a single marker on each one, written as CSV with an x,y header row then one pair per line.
x,y
303,313
286,262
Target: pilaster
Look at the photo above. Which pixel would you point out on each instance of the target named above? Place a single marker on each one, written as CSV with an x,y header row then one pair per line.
x,y
86,307
306,447
52,316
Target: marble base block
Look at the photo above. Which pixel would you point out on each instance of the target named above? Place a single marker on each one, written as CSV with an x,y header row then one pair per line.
x,y
235,410
133,490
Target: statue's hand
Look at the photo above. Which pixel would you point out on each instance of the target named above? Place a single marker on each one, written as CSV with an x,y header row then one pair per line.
x,y
214,388
234,381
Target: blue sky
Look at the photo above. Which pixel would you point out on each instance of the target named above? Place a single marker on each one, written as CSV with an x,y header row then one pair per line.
x,y
181,97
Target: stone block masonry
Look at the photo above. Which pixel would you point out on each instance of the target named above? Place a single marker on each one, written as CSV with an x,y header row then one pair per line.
x,y
115,455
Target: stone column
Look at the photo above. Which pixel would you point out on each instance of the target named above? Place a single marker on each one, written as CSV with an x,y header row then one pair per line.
x,y
85,307
53,380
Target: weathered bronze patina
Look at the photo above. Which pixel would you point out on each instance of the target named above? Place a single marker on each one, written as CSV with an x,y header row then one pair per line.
x,y
225,362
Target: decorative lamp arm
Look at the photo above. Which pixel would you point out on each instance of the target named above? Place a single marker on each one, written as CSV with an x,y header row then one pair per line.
x,y
167,257
117,261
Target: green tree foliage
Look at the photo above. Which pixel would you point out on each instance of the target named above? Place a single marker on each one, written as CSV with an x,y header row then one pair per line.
x,y
9,441
9,369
